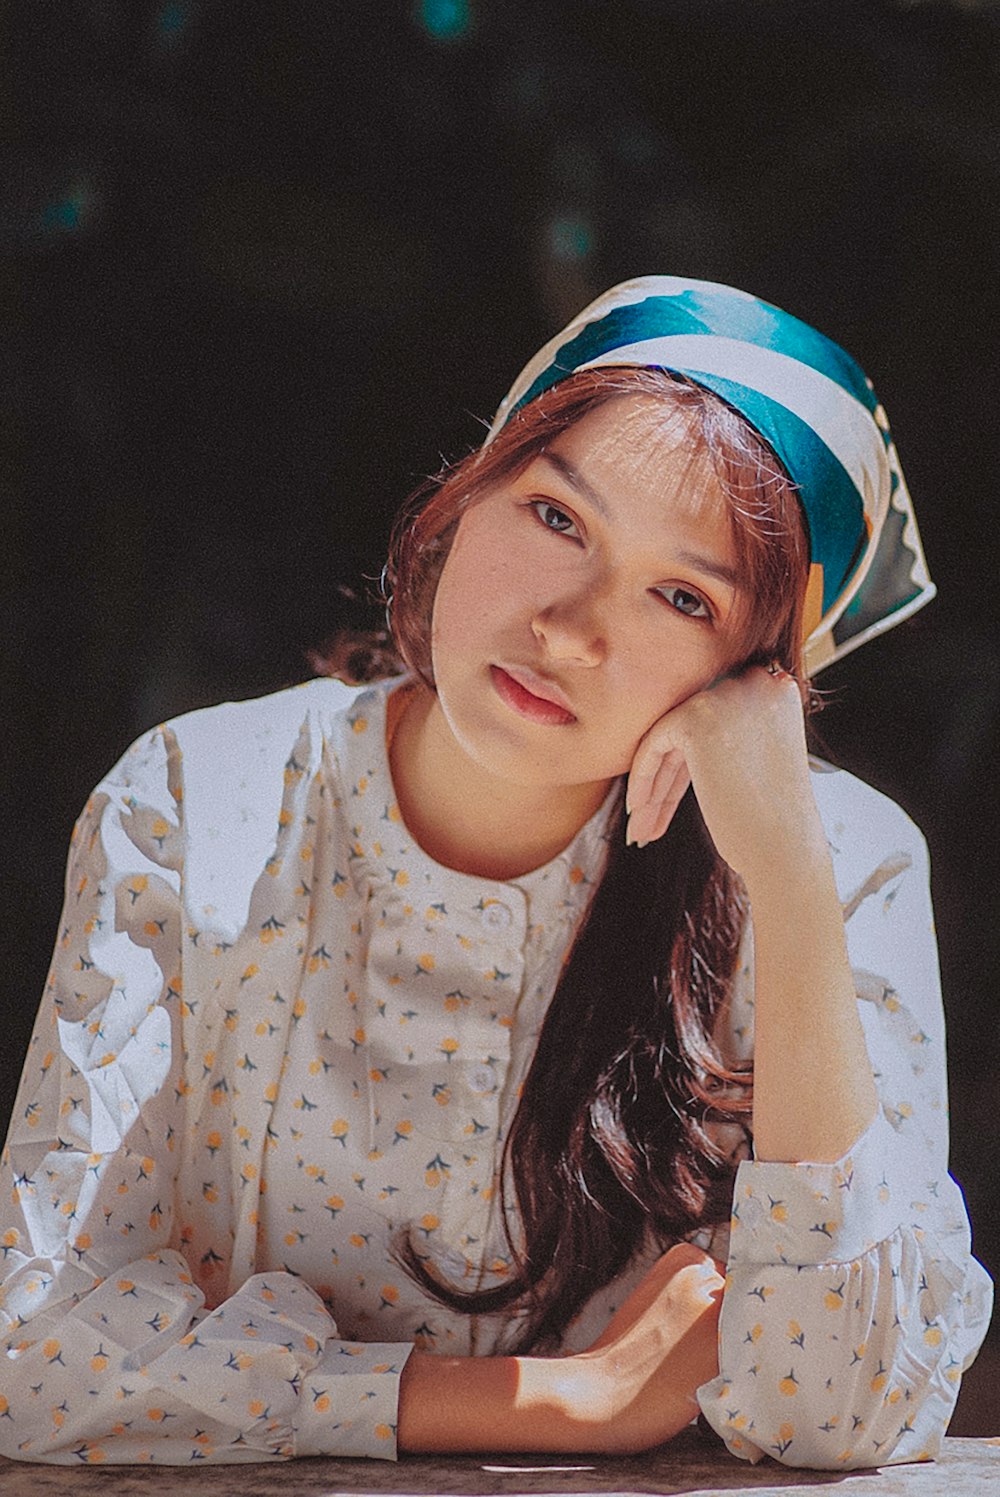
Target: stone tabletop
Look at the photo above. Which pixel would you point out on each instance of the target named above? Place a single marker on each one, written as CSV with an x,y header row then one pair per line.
x,y
690,1466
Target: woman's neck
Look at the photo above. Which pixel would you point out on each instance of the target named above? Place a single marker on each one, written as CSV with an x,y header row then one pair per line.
x,y
466,818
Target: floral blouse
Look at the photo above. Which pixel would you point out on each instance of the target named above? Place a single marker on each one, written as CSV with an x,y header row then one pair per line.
x,y
276,1035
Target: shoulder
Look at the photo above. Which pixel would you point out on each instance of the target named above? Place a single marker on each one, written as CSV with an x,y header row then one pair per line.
x,y
280,716
226,742
224,781
868,833
215,762
245,754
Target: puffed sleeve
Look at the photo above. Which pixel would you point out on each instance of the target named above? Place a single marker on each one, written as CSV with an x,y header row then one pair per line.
x,y
853,1304
111,1354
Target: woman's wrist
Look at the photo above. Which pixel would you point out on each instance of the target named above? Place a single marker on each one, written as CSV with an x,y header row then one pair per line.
x,y
449,1405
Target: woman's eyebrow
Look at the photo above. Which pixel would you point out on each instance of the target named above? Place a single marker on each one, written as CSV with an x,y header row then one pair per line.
x,y
705,564
575,479
711,568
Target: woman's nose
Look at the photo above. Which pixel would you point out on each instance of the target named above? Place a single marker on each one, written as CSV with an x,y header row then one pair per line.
x,y
571,632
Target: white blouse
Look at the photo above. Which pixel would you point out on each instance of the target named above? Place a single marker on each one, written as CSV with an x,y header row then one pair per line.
x,y
276,1034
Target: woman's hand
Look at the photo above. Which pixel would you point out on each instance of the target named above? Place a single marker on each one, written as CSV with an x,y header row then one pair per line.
x,y
642,1373
741,744
633,1389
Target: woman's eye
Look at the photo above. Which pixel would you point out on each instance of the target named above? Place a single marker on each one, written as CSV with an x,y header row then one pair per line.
x,y
685,602
553,518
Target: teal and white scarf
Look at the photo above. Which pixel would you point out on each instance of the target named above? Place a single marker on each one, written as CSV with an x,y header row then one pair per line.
x,y
809,401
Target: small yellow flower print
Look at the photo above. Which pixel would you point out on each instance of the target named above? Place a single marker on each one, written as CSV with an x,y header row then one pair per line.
x,y
834,1298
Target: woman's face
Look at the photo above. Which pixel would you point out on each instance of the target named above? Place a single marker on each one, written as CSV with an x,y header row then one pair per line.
x,y
585,597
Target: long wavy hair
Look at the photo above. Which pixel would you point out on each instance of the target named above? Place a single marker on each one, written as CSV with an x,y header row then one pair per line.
x,y
615,1143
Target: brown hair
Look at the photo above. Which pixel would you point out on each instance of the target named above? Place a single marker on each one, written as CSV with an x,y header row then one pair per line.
x,y
611,1144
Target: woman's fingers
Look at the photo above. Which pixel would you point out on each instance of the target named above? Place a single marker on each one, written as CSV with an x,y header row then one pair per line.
x,y
657,782
650,819
679,783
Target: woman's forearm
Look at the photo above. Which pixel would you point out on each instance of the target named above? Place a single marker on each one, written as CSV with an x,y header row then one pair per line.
x,y
451,1404
633,1389
814,1093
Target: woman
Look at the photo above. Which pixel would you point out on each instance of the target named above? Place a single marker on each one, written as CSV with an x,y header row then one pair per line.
x,y
393,1083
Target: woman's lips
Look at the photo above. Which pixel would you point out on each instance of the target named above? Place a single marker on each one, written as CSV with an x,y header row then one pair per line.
x,y
523,696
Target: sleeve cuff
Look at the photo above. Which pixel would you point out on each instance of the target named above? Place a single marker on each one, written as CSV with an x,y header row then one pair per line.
x,y
348,1404
824,1213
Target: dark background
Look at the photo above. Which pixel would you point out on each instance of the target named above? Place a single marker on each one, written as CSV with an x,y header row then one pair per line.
x,y
264,263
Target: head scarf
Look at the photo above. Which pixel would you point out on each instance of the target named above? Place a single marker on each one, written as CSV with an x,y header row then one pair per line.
x,y
809,401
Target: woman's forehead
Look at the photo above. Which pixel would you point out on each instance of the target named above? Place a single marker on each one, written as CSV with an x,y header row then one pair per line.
x,y
642,440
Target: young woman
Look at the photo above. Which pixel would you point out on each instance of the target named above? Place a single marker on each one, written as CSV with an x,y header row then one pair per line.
x,y
417,1058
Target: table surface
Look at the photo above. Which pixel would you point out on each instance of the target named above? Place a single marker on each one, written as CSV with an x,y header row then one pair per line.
x,y
690,1465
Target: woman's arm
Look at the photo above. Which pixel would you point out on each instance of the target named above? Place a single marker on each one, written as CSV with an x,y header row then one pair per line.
x,y
633,1389
741,744
852,1302
109,1355
814,1093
